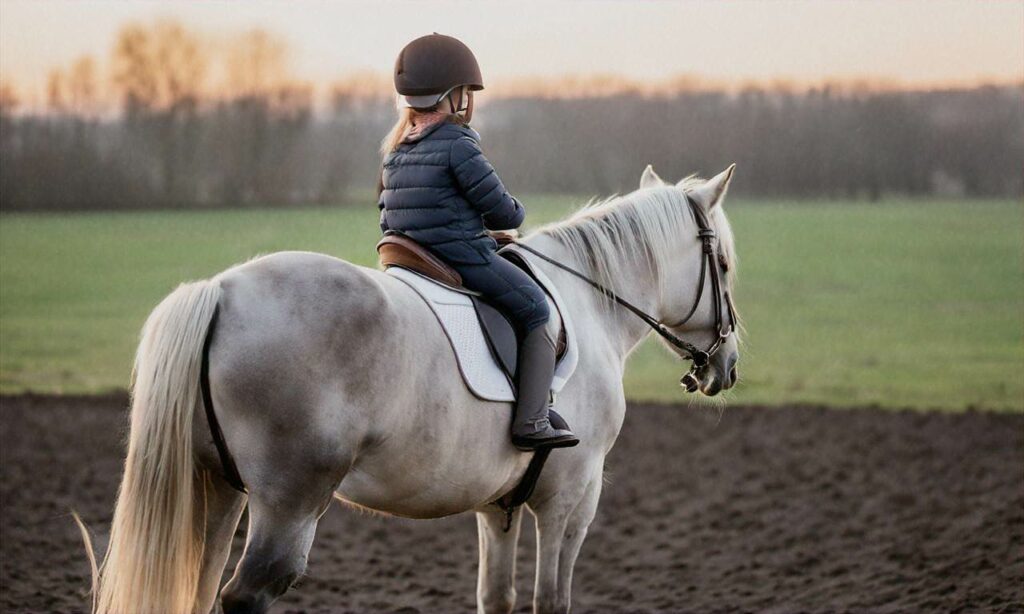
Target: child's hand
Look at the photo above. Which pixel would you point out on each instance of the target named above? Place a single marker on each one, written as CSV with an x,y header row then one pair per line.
x,y
504,237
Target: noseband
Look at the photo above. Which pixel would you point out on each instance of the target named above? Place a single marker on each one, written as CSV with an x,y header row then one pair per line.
x,y
725,323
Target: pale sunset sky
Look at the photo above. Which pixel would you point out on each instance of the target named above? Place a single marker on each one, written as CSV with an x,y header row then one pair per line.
x,y
911,43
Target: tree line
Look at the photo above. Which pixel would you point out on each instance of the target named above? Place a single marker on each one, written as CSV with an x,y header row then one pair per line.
x,y
823,143
198,128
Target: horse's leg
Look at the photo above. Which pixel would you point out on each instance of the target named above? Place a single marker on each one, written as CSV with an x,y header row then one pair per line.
x,y
223,508
562,523
496,583
572,540
281,529
550,528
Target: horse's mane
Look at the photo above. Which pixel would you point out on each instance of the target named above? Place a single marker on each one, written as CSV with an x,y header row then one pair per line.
x,y
611,236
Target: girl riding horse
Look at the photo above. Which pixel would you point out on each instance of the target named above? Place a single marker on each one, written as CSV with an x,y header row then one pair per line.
x,y
438,189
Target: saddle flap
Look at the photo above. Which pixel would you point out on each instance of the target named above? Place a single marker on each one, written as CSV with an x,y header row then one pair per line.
x,y
500,336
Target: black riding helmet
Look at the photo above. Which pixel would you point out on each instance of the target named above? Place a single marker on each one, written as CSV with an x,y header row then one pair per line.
x,y
431,66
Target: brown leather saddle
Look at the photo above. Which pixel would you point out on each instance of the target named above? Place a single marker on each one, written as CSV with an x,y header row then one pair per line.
x,y
396,249
399,250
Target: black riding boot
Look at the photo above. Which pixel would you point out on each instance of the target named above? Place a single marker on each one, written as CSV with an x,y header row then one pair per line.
x,y
531,429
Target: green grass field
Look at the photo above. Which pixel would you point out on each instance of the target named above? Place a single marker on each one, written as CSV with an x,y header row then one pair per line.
x,y
898,303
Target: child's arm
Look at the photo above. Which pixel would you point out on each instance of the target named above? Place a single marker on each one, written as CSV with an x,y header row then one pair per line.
x,y
380,203
482,187
383,218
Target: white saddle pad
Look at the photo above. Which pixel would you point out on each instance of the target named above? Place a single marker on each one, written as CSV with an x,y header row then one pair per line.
x,y
480,370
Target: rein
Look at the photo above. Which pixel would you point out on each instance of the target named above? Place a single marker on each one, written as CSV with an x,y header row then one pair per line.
x,y
698,357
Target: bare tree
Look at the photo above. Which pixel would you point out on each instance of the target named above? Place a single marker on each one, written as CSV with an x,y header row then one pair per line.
x,y
160,73
263,119
56,91
256,64
82,87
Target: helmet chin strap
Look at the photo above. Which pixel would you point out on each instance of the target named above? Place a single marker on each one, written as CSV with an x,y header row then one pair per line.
x,y
463,105
468,113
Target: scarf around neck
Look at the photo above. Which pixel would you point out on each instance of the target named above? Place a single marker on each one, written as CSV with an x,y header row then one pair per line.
x,y
422,123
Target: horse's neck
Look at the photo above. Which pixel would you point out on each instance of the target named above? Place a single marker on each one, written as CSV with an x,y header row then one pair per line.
x,y
589,308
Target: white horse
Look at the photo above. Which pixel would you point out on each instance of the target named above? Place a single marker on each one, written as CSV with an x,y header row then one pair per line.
x,y
334,380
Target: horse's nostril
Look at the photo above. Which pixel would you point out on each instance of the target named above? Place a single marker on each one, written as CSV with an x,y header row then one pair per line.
x,y
734,376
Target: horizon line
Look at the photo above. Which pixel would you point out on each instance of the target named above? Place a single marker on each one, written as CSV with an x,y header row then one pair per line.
x,y
368,85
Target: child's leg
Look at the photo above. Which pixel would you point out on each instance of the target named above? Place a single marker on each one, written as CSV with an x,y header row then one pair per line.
x,y
511,290
519,297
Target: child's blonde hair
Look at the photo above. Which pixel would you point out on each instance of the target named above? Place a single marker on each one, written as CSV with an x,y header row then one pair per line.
x,y
399,130
406,118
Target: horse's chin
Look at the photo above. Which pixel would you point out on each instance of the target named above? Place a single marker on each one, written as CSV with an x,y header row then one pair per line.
x,y
711,381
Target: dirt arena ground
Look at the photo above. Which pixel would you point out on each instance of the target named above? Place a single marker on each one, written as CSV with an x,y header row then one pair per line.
x,y
783,510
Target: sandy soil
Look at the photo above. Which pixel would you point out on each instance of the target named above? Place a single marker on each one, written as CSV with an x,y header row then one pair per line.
x,y
803,509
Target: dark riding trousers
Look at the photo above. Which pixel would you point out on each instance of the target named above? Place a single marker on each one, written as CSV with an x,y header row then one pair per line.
x,y
508,288
441,191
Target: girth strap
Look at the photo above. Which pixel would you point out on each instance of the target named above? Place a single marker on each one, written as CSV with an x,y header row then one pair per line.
x,y
511,500
524,489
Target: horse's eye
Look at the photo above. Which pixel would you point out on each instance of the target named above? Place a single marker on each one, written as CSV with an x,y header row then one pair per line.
x,y
722,262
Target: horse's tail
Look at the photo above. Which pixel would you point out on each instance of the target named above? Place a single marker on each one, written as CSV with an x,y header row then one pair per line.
x,y
157,536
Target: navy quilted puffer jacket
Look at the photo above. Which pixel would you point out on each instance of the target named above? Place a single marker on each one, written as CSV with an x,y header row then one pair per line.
x,y
441,191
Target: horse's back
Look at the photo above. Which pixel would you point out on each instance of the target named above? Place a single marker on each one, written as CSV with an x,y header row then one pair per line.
x,y
300,287
306,315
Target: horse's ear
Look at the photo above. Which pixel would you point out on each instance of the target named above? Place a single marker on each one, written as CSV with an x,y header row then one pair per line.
x,y
650,179
712,191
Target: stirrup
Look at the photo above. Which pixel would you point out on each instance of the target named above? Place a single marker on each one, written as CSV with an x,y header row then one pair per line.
x,y
529,444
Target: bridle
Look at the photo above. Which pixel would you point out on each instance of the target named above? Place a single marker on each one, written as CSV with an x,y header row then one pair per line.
x,y
725,320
